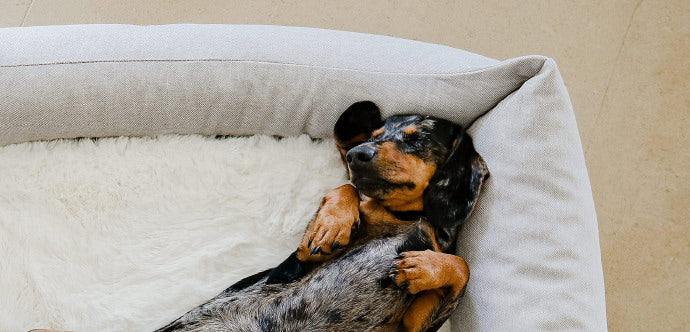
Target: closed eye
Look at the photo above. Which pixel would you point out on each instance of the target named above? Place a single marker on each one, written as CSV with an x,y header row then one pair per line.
x,y
411,136
377,133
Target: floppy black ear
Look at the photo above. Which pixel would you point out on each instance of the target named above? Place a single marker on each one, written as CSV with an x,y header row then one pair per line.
x,y
355,125
454,188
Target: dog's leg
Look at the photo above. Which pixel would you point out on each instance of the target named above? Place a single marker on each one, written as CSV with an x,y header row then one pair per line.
x,y
330,230
439,279
420,312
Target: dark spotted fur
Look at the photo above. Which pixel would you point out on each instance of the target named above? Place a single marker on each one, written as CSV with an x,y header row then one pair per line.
x,y
351,293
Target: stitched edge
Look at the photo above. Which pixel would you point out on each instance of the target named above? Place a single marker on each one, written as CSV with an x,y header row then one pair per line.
x,y
471,71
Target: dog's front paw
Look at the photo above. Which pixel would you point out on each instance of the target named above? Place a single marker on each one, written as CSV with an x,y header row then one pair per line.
x,y
414,272
331,229
417,271
329,235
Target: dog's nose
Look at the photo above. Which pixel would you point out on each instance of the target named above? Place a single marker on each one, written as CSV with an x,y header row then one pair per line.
x,y
360,155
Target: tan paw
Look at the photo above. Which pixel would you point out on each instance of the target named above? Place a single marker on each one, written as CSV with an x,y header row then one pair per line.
x,y
418,271
331,229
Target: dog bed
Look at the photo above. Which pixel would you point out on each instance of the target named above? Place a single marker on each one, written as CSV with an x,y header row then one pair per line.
x,y
126,232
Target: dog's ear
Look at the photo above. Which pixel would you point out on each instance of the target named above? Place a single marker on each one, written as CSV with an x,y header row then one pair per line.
x,y
454,188
355,125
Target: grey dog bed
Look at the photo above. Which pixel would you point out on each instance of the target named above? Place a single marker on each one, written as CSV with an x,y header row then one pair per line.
x,y
532,243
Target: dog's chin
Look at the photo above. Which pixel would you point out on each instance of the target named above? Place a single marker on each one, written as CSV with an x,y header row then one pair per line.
x,y
372,187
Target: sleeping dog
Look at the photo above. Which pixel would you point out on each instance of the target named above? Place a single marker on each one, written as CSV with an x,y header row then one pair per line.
x,y
376,256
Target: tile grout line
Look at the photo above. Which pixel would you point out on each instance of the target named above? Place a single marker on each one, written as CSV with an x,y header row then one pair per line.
x,y
613,72
26,13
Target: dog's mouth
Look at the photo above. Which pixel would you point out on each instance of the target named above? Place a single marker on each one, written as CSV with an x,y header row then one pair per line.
x,y
372,187
368,182
378,188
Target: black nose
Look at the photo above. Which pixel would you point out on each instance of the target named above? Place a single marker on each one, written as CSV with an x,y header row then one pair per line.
x,y
360,155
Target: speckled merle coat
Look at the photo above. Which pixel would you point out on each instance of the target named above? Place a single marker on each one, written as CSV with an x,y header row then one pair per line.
x,y
361,286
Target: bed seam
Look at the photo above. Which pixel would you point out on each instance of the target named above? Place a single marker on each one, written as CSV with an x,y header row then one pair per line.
x,y
471,71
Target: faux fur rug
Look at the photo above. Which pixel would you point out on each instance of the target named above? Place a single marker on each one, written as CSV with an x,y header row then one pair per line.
x,y
126,234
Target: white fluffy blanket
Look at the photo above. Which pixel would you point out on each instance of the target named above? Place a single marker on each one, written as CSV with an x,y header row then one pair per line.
x,y
126,234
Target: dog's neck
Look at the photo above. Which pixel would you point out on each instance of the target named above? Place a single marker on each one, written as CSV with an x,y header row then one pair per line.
x,y
403,206
408,215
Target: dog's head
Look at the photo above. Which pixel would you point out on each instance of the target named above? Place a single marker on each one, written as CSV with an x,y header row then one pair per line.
x,y
411,162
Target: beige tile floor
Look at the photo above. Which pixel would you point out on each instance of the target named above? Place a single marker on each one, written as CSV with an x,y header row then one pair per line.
x,y
627,67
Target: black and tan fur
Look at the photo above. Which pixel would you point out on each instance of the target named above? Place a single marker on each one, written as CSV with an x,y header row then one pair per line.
x,y
376,256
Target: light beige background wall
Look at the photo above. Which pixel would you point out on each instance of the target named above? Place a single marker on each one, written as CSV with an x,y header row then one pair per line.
x,y
626,65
